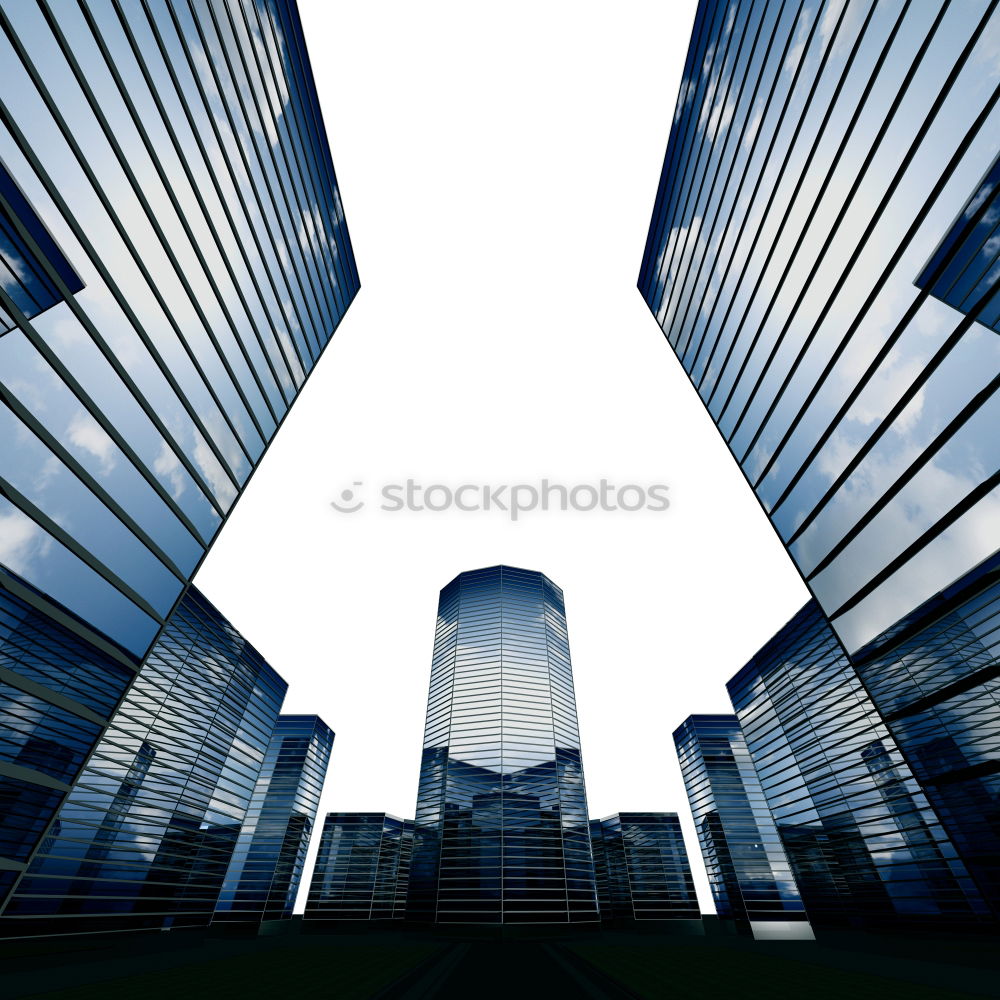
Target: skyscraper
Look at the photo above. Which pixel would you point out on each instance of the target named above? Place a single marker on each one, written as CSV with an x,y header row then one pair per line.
x,y
933,678
642,868
822,259
865,845
57,693
266,868
751,880
169,196
146,834
362,868
501,832
174,261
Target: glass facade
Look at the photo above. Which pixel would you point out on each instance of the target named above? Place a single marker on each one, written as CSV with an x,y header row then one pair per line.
x,y
362,868
57,693
964,267
25,244
263,878
146,834
642,868
935,679
173,260
865,845
822,260
501,829
749,873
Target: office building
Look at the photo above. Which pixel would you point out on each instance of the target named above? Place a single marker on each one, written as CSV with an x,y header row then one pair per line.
x,y
57,694
749,873
174,261
403,870
865,845
934,679
501,832
266,869
362,868
145,836
642,868
602,880
822,259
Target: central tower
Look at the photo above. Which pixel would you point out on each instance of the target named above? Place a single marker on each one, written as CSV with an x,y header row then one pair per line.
x,y
501,829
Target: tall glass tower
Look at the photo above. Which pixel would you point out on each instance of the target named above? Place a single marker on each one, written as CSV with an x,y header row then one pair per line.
x,y
863,840
823,260
145,836
501,829
264,876
751,880
173,262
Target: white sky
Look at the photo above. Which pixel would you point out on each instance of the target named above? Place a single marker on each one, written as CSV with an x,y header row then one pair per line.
x,y
498,165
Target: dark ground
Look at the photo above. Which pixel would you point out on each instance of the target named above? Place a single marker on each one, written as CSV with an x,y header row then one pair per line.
x,y
402,963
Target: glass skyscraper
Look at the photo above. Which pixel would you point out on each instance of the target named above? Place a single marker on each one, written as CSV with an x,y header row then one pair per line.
x,y
266,869
822,258
750,877
864,843
501,829
173,261
146,834
362,868
169,198
935,679
57,693
642,868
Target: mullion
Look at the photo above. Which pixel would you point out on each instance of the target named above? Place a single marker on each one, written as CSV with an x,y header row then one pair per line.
x,y
73,385
165,244
289,240
318,142
277,349
766,212
182,217
9,121
689,297
752,200
295,138
894,336
680,134
709,91
811,214
180,35
698,175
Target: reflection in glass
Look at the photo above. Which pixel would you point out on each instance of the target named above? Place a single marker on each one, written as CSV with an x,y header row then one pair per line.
x,y
362,868
263,879
147,832
864,842
25,249
173,258
501,831
642,868
823,260
748,871
934,678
